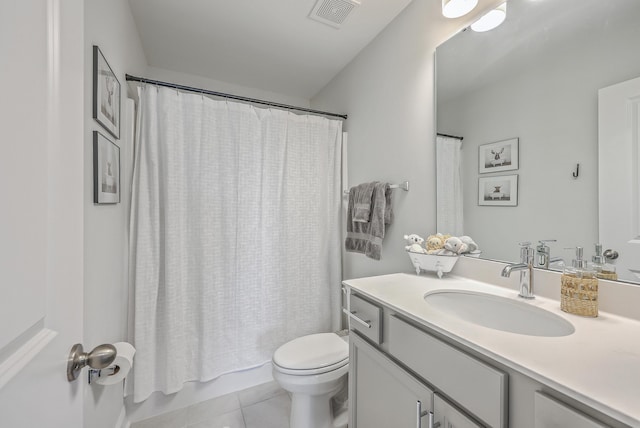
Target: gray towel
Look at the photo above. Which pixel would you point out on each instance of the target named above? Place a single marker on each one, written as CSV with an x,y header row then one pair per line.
x,y
367,238
362,198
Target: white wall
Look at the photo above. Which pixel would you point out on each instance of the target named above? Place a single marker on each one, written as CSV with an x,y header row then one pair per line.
x,y
553,109
110,26
388,93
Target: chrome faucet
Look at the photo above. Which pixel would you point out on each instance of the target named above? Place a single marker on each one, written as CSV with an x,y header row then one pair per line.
x,y
526,270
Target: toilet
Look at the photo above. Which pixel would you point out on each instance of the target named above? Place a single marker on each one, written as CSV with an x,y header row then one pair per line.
x,y
313,369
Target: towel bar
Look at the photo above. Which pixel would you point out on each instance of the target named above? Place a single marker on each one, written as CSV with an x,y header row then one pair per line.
x,y
404,186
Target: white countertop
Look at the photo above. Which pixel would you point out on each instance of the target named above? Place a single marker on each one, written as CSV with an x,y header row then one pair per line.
x,y
598,365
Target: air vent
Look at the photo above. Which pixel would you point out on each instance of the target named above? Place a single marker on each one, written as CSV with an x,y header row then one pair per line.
x,y
333,12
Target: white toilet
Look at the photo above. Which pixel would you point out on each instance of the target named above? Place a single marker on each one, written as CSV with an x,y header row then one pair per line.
x,y
313,369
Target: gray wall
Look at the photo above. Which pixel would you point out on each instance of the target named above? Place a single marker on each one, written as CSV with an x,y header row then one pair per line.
x,y
388,93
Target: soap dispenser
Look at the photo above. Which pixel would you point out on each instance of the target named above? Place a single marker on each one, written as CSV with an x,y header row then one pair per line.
x,y
603,269
579,288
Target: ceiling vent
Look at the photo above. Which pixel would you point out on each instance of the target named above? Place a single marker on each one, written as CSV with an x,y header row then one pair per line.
x,y
333,12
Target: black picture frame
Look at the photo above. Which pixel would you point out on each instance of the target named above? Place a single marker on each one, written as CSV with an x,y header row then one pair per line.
x,y
106,170
106,94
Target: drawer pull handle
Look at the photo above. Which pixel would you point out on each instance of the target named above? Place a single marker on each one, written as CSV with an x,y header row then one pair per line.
x,y
420,414
352,315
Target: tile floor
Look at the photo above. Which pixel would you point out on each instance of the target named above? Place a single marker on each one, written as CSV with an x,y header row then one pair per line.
x,y
263,406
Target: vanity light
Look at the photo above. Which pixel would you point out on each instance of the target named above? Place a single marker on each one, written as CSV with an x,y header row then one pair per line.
x,y
491,20
457,8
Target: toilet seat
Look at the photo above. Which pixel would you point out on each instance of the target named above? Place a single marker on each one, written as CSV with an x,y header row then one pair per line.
x,y
312,354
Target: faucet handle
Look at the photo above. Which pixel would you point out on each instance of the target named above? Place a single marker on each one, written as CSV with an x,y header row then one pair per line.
x,y
542,244
525,244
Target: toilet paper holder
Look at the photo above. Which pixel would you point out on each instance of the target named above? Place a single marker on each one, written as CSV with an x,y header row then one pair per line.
x,y
99,358
98,373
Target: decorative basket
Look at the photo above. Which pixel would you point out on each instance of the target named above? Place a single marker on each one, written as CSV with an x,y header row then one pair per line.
x,y
432,263
579,296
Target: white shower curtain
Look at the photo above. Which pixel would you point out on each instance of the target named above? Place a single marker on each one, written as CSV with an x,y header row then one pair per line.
x,y
235,245
449,212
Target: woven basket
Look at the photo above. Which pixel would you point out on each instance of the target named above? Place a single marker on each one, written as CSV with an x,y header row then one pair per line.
x,y
579,296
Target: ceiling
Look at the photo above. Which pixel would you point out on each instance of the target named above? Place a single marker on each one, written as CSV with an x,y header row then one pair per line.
x,y
268,45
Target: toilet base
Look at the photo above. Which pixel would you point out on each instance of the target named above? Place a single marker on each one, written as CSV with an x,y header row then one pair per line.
x,y
315,411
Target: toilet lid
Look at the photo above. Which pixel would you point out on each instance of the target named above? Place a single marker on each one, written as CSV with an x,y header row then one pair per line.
x,y
312,352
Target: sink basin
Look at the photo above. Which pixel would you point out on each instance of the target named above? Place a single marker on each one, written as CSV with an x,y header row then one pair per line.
x,y
499,313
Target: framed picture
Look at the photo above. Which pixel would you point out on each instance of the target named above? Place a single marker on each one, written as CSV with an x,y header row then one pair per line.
x,y
106,170
500,156
501,190
106,94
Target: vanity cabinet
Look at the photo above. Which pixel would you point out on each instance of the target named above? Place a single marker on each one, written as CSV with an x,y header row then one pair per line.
x,y
381,394
398,361
447,416
550,413
412,380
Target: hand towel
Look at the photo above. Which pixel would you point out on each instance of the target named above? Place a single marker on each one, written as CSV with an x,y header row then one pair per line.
x,y
367,238
362,195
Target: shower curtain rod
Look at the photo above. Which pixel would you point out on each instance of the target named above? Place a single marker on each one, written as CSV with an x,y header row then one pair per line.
x,y
450,136
130,78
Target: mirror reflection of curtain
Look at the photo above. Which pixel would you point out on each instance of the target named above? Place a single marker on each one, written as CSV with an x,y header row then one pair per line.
x,y
235,235
449,186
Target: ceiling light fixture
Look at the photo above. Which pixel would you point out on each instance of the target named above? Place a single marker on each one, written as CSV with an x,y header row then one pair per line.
x,y
491,20
457,8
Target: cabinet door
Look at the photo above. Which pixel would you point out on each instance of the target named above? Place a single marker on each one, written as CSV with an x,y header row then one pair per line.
x,y
447,416
382,395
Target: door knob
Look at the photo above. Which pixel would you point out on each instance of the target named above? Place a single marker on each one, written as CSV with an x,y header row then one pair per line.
x,y
610,254
99,358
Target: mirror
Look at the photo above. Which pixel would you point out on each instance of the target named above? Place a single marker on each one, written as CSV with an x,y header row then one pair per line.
x,y
535,80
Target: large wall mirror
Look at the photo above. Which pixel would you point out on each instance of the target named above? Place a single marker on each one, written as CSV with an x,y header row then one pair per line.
x,y
532,86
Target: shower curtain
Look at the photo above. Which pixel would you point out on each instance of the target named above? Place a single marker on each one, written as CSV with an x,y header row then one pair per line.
x,y
235,235
449,214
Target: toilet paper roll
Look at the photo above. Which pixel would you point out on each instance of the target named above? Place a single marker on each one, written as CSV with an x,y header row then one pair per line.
x,y
122,364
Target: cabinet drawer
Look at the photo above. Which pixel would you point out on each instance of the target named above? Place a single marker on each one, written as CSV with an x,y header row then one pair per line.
x,y
473,385
550,413
366,318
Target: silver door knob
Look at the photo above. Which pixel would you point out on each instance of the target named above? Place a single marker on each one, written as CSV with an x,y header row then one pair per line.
x,y
99,358
610,254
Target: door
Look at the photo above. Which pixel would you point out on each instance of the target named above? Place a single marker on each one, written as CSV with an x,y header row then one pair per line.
x,y
41,210
381,395
619,182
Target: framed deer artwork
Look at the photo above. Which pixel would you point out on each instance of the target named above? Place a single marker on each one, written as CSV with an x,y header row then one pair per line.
x,y
499,156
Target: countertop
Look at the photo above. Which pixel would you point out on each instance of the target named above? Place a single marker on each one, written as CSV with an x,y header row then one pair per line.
x,y
598,364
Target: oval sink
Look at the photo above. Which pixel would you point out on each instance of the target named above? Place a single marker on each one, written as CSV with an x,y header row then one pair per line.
x,y
499,313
